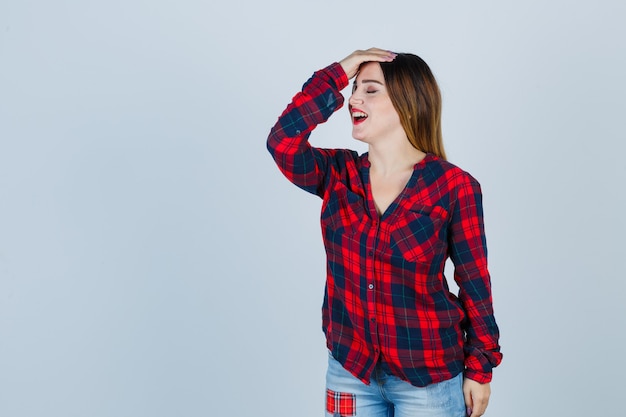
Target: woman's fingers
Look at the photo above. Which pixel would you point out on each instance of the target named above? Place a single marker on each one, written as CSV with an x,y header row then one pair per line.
x,y
352,62
476,397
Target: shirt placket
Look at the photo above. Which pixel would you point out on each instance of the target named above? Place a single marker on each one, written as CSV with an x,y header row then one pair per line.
x,y
372,260
372,283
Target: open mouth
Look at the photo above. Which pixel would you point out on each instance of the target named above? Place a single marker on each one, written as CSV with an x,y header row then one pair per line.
x,y
358,116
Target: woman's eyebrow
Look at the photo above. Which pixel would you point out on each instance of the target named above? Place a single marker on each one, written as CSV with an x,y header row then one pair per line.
x,y
367,81
371,81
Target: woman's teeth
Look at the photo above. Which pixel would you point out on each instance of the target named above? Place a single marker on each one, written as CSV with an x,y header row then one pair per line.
x,y
357,115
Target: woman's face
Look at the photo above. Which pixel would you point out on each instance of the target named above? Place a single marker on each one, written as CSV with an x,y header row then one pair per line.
x,y
373,116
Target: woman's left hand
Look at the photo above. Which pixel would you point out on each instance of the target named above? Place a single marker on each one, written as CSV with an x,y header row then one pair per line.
x,y
476,397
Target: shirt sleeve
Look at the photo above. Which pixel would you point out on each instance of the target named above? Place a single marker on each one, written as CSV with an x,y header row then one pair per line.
x,y
468,251
288,144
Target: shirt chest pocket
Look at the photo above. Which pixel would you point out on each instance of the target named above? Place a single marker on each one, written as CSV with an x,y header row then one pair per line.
x,y
344,211
418,233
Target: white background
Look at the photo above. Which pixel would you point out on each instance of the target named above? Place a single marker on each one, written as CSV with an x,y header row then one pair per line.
x,y
154,262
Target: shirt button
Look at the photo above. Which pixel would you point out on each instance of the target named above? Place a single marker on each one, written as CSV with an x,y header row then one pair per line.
x,y
370,253
373,320
371,286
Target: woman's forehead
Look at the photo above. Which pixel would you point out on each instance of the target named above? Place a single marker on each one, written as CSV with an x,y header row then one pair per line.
x,y
370,71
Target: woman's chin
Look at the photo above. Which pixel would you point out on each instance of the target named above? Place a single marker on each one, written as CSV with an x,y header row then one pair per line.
x,y
358,136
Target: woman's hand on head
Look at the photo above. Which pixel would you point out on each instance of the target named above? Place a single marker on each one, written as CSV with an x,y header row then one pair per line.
x,y
352,62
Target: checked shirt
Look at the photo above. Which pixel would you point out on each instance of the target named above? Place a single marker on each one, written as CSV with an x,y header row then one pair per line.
x,y
386,297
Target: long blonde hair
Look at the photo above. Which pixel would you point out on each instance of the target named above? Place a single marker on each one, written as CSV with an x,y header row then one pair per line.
x,y
415,95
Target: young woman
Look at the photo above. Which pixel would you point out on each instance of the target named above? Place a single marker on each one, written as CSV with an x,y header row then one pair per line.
x,y
400,343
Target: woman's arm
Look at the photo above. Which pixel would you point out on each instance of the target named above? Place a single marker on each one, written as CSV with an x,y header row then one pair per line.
x,y
288,143
468,251
320,97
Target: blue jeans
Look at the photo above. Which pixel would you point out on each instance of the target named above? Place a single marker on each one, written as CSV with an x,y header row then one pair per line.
x,y
389,396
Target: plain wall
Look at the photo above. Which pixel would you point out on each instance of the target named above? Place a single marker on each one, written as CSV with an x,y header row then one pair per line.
x,y
154,262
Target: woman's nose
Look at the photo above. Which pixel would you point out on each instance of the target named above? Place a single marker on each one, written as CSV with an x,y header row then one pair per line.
x,y
355,99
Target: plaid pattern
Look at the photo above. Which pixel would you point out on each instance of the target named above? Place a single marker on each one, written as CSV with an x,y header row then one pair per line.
x,y
386,293
340,403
